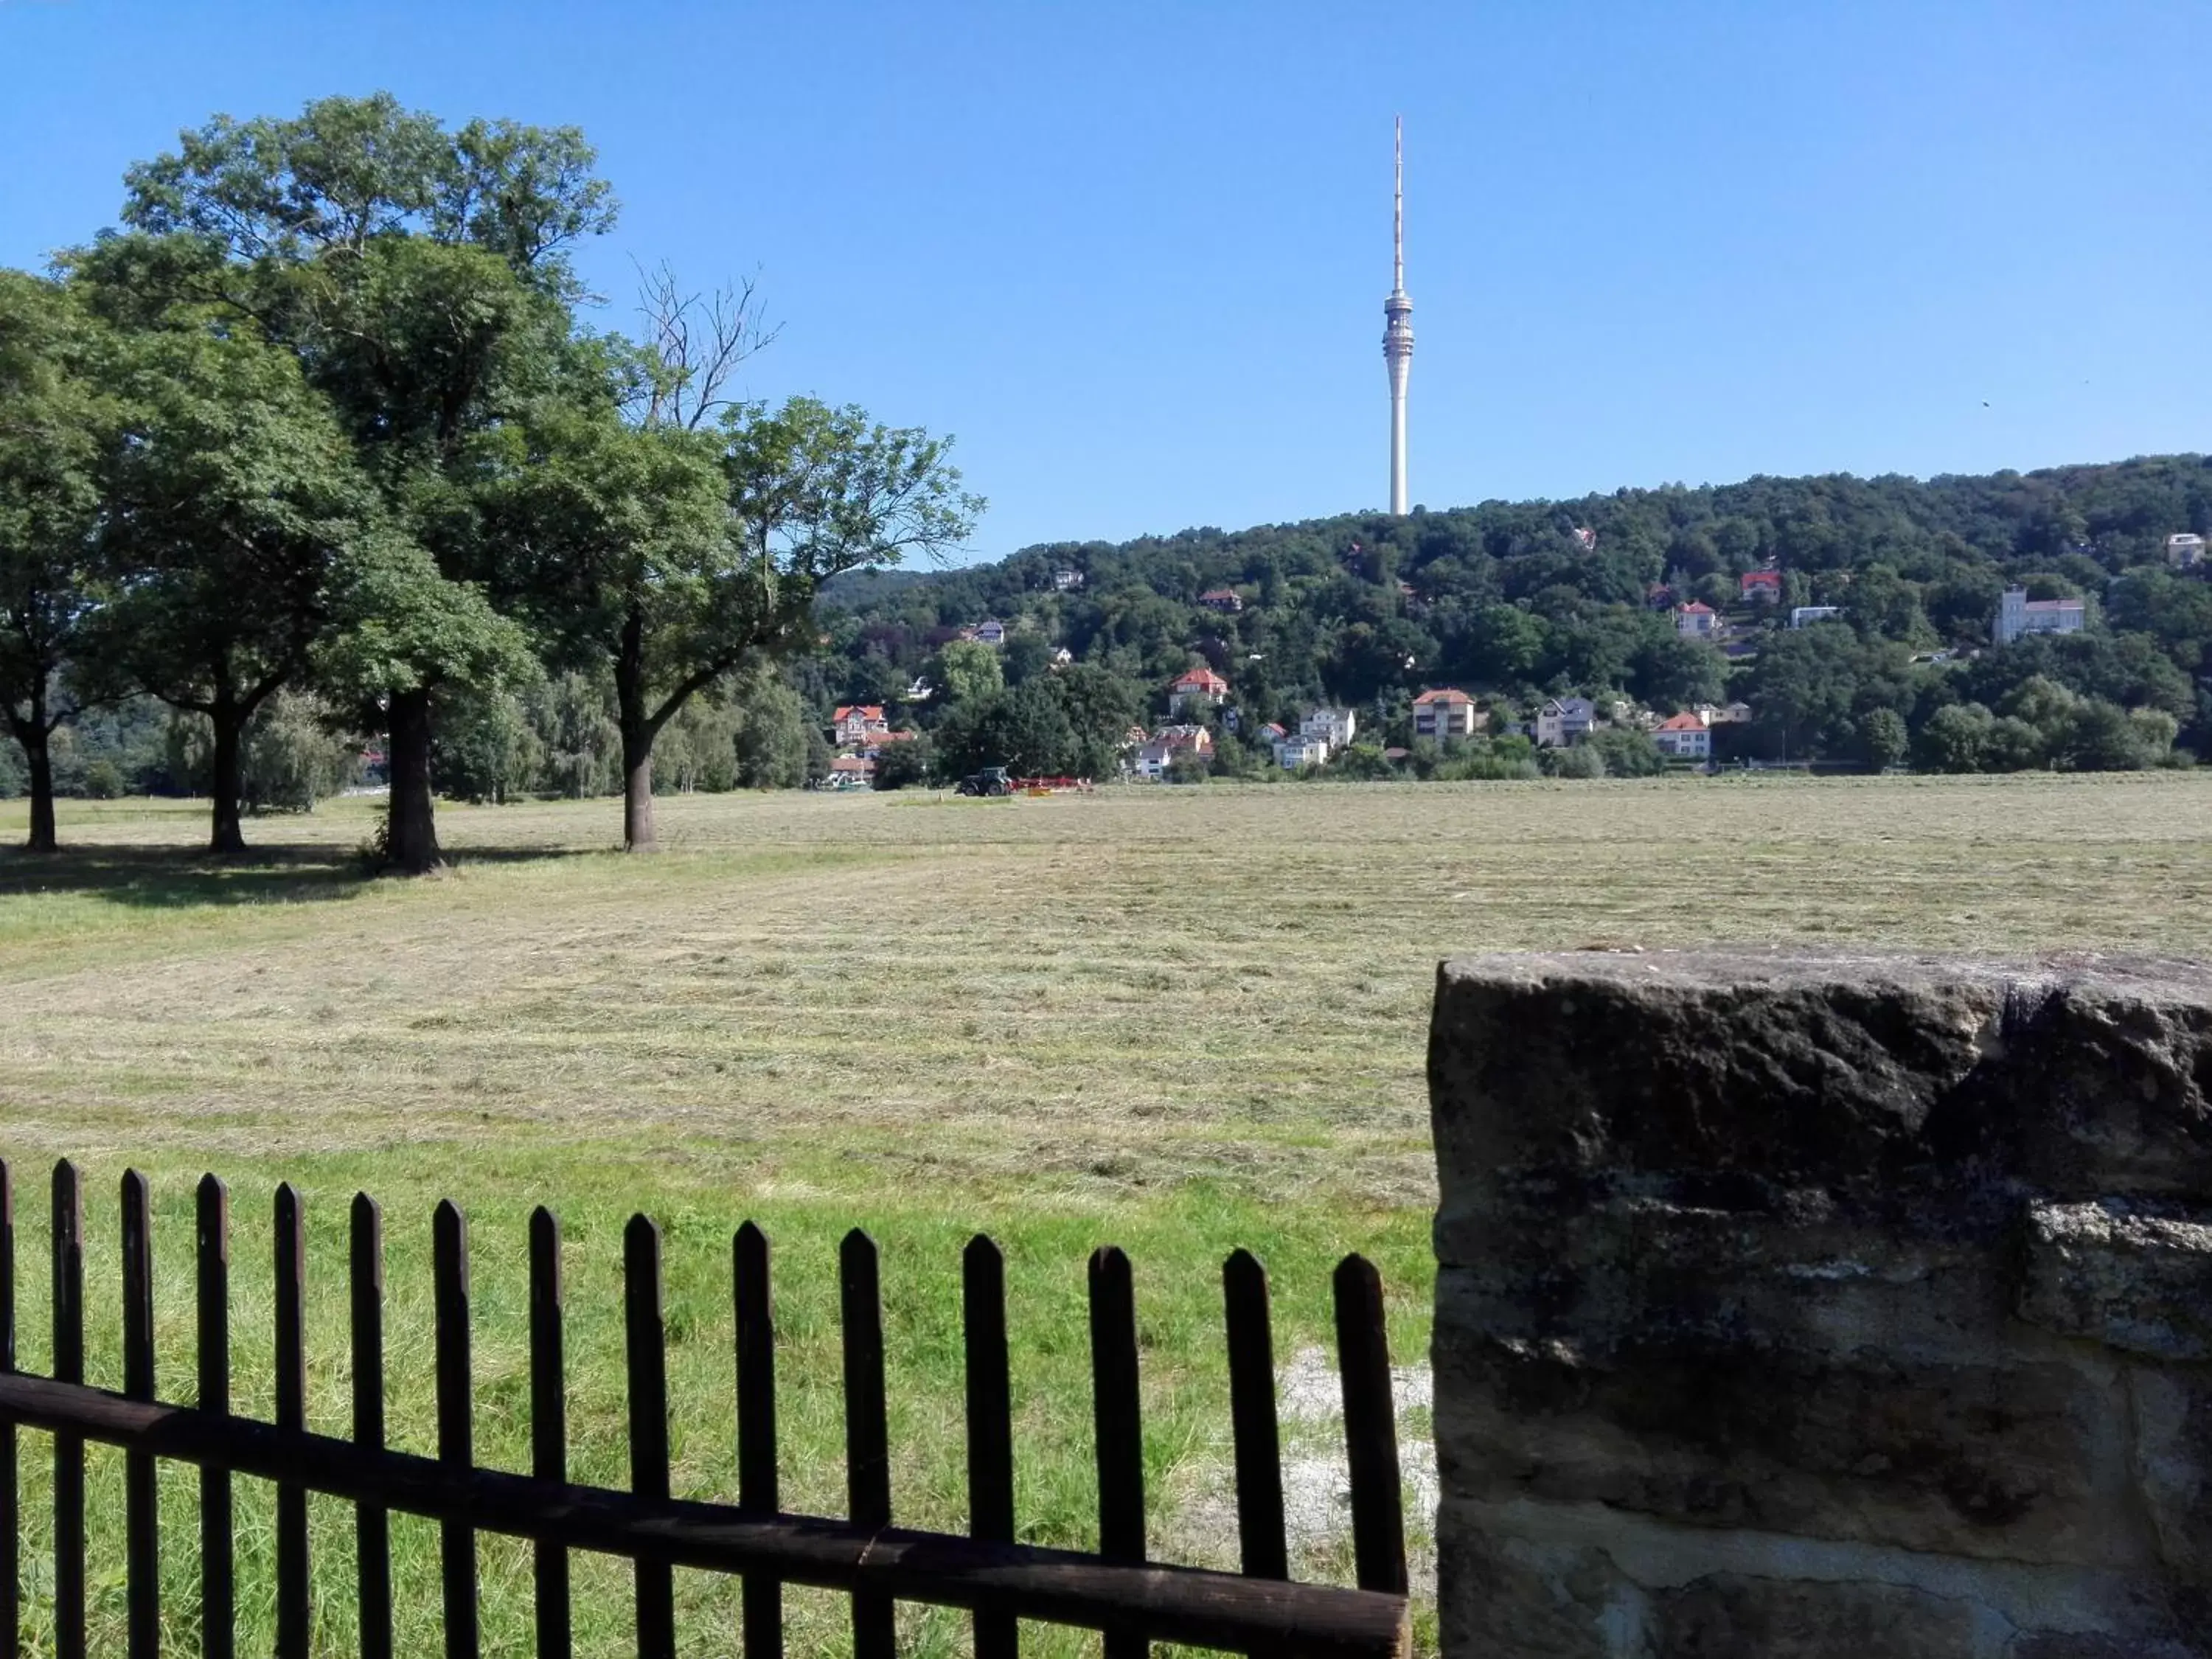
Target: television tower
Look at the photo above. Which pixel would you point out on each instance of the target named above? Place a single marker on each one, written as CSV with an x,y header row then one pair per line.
x,y
1398,325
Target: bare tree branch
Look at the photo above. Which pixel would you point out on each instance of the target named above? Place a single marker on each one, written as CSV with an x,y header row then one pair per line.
x,y
699,340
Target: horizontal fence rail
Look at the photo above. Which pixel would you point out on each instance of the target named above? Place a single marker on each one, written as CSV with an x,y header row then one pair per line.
x,y
1117,1591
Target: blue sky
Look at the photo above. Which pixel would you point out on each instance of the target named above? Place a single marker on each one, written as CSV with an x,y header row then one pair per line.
x,y
1133,256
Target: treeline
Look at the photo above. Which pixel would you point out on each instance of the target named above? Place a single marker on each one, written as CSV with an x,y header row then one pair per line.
x,y
317,451
1518,601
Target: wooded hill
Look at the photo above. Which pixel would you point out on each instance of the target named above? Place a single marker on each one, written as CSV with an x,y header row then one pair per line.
x,y
1516,601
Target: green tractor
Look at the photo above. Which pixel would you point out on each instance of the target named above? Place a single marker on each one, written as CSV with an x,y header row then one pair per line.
x,y
991,780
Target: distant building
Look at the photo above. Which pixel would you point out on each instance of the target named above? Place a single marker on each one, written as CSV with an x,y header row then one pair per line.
x,y
1067,581
857,723
1061,658
1292,752
1685,737
1227,600
1333,726
1564,721
1158,752
1444,713
852,772
2017,614
1696,621
1805,615
1765,586
988,632
1199,687
2184,551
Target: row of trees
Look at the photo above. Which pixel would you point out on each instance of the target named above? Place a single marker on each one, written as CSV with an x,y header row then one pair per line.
x,y
323,416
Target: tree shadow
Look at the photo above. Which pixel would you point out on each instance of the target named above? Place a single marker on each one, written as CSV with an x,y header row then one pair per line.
x,y
172,878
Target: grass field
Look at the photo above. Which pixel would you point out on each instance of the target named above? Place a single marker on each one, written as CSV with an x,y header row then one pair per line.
x,y
1178,1020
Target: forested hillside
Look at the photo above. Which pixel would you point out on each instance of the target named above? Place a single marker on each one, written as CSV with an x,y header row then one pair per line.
x,y
1515,601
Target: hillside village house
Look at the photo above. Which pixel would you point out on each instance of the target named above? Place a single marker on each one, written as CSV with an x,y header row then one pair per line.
x,y
1762,586
1697,621
1197,689
1443,713
1067,581
988,631
1157,753
852,772
1804,616
1333,726
1564,721
857,723
2017,614
2184,551
1685,737
1227,600
1292,752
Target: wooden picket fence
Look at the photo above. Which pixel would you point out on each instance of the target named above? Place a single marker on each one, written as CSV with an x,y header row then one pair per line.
x,y
1116,1591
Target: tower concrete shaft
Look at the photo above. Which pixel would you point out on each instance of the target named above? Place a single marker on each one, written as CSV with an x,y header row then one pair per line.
x,y
1398,325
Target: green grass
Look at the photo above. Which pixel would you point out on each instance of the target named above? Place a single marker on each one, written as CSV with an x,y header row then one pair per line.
x,y
1176,1020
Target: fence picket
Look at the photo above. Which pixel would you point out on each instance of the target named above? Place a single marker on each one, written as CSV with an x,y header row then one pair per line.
x,y
457,1540
141,1524
990,1423
646,1344
218,1581
11,1561
757,1463
372,1527
1263,1549
293,1609
549,1425
1370,1429
867,1435
68,1448
1117,1414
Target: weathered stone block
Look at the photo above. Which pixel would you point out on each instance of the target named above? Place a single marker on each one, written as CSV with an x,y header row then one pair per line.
x,y
2120,1275
1798,1305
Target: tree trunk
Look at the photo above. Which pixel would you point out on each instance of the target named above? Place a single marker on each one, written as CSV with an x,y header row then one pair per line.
x,y
410,823
229,733
638,732
36,750
637,790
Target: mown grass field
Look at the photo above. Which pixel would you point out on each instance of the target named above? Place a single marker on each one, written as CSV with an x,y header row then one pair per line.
x,y
1177,1020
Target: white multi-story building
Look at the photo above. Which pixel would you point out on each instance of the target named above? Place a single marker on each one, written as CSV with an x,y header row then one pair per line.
x,y
1564,721
1333,726
2017,614
1804,616
2184,551
1444,713
1292,752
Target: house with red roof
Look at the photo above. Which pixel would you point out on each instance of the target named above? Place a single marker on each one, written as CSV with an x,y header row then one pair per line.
x,y
859,723
1685,737
1444,713
1227,600
1764,586
1199,687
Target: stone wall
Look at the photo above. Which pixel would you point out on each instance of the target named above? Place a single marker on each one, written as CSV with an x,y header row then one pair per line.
x,y
1823,1307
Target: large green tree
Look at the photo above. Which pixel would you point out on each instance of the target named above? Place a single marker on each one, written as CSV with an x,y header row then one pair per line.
x,y
54,428
233,503
421,274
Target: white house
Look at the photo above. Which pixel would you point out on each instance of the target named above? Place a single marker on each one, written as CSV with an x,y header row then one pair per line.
x,y
1444,713
989,632
1563,721
856,723
1803,616
1067,581
1158,752
1685,737
1293,752
1333,726
1697,621
2017,614
2184,551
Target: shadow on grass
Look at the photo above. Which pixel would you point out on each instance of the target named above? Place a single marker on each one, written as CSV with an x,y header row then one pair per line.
x,y
170,878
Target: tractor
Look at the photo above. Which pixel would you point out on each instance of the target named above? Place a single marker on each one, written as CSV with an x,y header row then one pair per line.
x,y
991,780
